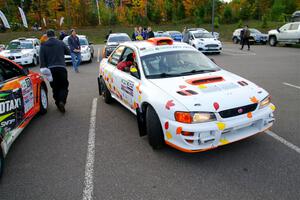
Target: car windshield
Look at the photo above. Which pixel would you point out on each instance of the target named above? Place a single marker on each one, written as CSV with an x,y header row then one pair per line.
x,y
83,41
203,35
20,45
176,63
255,31
162,34
119,39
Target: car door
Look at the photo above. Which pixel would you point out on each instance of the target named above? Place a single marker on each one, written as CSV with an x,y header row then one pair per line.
x,y
16,101
127,84
109,76
294,32
284,33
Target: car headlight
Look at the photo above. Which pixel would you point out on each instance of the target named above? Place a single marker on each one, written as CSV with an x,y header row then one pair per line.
x,y
26,55
194,117
200,43
265,102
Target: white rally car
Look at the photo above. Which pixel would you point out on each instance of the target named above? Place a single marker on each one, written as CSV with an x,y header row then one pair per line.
x,y
87,50
181,97
24,51
203,41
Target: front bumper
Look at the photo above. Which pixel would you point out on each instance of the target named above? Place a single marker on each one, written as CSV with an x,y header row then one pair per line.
x,y
21,60
213,134
215,49
84,57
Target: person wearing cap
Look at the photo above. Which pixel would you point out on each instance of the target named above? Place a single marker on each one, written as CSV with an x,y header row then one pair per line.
x,y
74,45
52,56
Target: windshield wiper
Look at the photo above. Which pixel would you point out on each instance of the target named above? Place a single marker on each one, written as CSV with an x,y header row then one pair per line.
x,y
162,75
198,71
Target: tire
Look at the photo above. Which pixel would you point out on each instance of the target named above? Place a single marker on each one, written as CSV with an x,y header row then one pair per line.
x,y
1,163
105,92
154,129
235,40
43,100
273,41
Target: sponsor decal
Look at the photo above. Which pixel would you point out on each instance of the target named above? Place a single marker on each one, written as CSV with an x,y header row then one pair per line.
x,y
11,111
27,93
127,87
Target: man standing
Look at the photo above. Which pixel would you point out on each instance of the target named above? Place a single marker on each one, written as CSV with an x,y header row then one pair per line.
x,y
52,56
74,45
245,37
150,33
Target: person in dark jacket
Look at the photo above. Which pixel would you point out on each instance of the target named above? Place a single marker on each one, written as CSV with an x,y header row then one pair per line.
x,y
52,56
245,37
75,48
150,33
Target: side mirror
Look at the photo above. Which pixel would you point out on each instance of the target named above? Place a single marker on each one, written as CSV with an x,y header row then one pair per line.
x,y
134,72
90,43
105,41
278,30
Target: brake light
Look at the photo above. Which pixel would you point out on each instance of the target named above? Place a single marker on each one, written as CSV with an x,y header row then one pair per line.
x,y
183,117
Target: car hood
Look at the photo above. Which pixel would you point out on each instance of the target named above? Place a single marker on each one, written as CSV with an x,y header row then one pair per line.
x,y
274,31
208,40
200,92
16,52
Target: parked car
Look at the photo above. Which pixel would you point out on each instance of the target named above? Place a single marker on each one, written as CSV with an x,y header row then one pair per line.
x,y
162,34
202,40
175,35
114,39
23,95
287,34
24,51
296,16
255,36
181,98
87,49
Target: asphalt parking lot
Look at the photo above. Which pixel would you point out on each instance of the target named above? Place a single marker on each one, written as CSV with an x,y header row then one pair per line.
x,y
51,158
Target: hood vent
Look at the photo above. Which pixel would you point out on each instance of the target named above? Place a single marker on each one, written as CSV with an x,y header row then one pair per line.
x,y
187,92
205,80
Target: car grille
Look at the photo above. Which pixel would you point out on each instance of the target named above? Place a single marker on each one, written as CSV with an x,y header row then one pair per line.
x,y
11,57
211,45
238,111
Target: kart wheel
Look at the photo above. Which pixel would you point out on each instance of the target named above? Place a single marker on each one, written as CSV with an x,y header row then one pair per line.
x,y
1,163
105,92
154,129
272,41
43,100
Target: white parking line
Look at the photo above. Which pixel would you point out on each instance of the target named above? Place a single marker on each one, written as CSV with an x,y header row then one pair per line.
x,y
283,141
89,166
291,85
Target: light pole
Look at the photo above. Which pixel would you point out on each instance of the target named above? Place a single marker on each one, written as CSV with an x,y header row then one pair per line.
x,y
213,17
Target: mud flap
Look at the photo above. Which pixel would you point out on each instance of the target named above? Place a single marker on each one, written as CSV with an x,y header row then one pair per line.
x,y
141,123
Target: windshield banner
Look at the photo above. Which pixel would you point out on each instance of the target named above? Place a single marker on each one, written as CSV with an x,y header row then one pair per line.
x,y
4,20
23,17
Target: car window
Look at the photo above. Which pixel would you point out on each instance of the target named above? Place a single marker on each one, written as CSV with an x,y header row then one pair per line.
x,y
126,53
9,71
83,41
119,39
176,63
20,45
294,27
115,57
285,27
